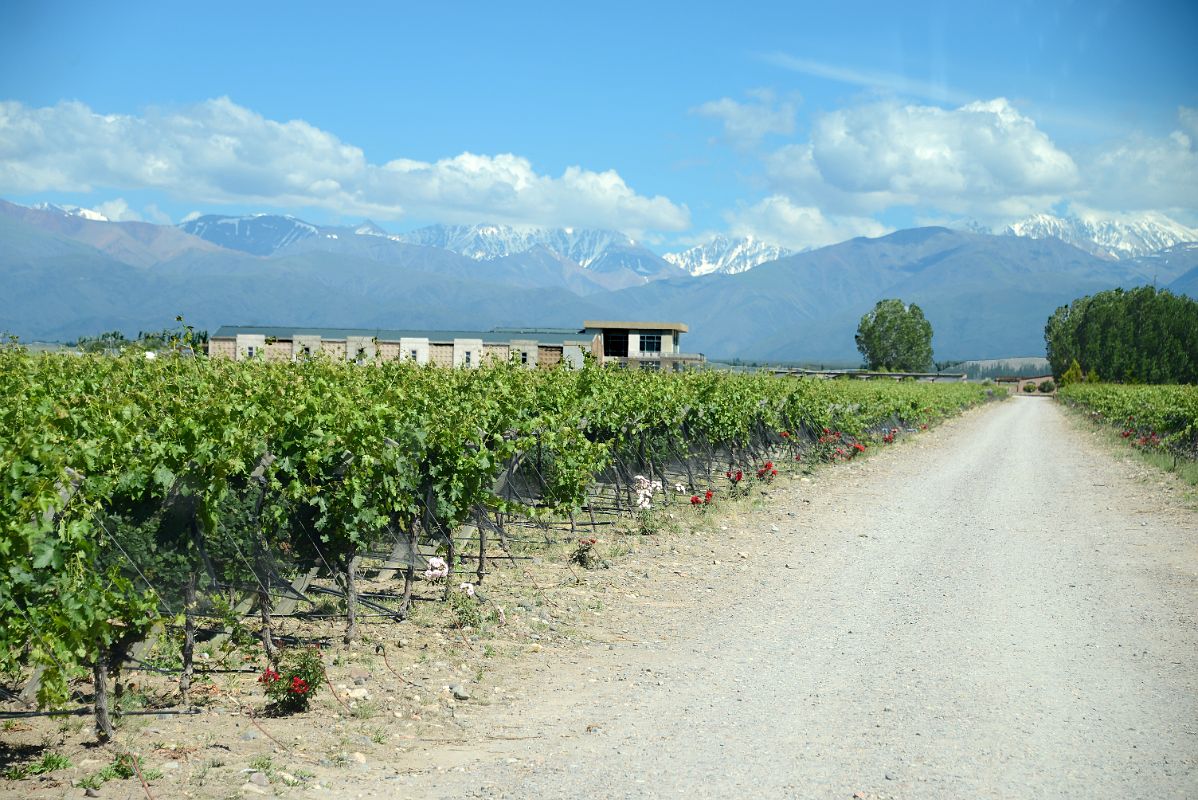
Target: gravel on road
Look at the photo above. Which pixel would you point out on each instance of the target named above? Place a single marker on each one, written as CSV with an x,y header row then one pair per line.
x,y
998,608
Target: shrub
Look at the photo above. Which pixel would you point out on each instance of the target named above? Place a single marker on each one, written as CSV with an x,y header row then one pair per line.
x,y
1046,387
1029,388
465,610
584,553
299,676
1073,374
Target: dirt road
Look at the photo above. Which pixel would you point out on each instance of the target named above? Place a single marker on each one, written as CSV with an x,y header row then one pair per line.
x,y
998,609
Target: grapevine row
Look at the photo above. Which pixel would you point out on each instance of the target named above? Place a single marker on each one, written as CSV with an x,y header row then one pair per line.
x,y
134,490
1163,417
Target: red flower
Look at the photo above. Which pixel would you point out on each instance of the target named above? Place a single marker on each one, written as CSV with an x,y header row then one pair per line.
x,y
269,676
785,434
695,500
709,495
860,448
739,475
299,685
773,472
728,474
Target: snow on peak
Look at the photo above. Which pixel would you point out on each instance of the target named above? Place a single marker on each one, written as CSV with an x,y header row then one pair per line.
x,y
486,242
722,254
260,234
73,211
1109,237
368,228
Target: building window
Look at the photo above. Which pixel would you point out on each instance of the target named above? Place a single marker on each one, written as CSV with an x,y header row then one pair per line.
x,y
651,343
468,358
415,355
615,344
523,356
250,352
651,365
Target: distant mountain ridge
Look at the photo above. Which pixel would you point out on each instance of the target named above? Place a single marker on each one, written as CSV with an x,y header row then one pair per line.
x,y
987,296
725,255
598,250
1108,238
71,211
259,234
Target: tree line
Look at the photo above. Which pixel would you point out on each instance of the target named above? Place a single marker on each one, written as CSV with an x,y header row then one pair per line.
x,y
1143,335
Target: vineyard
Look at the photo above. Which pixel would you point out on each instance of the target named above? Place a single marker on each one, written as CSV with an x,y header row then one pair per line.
x,y
1153,418
178,500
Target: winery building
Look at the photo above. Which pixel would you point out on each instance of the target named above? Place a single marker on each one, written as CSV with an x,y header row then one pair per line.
x,y
643,345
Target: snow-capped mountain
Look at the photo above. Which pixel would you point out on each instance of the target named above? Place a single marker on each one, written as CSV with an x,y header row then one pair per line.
x,y
726,255
260,234
72,211
368,228
485,242
622,259
1114,238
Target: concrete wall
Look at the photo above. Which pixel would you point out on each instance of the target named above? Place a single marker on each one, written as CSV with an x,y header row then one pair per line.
x,y
467,352
299,343
525,351
441,355
495,352
420,346
548,356
572,354
360,344
245,341
279,351
224,348
388,351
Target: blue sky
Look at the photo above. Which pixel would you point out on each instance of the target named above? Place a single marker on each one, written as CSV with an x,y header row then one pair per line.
x,y
799,124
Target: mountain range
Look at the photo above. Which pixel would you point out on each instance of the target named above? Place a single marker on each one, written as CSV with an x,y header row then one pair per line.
x,y
68,274
1108,238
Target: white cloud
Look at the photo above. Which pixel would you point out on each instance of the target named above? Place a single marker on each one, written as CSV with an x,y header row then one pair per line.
x,y
220,152
118,210
983,159
779,221
1148,173
156,215
746,124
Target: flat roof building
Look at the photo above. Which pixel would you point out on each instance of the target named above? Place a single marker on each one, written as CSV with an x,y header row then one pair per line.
x,y
647,345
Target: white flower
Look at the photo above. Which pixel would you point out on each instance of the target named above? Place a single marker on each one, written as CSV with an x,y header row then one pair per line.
x,y
437,569
644,490
678,487
468,588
